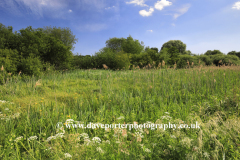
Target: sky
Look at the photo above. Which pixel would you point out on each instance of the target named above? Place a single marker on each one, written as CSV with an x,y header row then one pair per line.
x,y
201,24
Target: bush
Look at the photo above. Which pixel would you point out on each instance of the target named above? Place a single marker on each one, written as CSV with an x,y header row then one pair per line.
x,y
122,61
31,66
206,59
182,63
9,60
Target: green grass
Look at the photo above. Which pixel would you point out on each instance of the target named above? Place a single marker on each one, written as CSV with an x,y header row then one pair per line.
x,y
209,96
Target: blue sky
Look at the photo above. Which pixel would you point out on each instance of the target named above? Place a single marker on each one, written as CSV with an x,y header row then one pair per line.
x,y
201,24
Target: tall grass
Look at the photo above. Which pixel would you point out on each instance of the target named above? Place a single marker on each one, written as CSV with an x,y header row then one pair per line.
x,y
209,96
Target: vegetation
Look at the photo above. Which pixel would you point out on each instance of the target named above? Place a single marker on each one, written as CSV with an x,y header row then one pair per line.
x,y
45,91
208,96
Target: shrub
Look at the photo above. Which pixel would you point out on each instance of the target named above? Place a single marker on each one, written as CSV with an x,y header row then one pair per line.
x,y
183,59
31,66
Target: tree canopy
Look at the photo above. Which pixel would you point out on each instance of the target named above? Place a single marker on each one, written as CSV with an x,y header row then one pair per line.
x,y
180,46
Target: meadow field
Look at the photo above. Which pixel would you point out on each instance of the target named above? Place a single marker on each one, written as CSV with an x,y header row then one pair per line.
x,y
30,110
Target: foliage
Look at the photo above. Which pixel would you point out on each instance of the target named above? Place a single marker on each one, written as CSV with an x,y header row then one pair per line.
x,y
31,66
128,45
206,59
180,46
214,52
183,59
174,55
65,35
234,53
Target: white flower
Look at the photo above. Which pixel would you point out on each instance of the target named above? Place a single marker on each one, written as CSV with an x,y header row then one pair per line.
x,y
50,138
166,117
84,135
121,117
172,136
138,134
147,150
166,113
67,155
49,148
61,135
87,142
6,109
32,138
96,139
18,139
69,121
100,150
205,154
16,115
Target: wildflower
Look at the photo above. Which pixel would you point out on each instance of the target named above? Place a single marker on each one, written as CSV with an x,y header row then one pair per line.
x,y
32,138
100,150
61,135
6,109
16,115
205,154
186,142
96,139
166,117
49,148
67,155
172,136
18,139
121,117
87,141
166,113
147,150
69,121
84,135
50,138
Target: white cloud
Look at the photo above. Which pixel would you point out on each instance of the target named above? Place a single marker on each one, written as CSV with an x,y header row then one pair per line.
x,y
110,7
137,2
236,6
181,11
173,24
69,10
150,30
145,13
159,5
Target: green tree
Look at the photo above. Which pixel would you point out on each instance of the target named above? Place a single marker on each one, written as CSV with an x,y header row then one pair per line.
x,y
63,34
180,46
115,44
132,46
155,48
214,52
128,45
234,53
174,55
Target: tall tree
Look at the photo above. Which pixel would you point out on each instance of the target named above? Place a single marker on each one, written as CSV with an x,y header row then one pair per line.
x,y
132,46
115,44
63,34
214,52
180,46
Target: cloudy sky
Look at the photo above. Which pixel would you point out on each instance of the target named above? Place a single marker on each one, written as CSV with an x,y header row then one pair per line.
x,y
201,24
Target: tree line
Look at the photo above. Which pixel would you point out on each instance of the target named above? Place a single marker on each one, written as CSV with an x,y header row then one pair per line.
x,y
35,51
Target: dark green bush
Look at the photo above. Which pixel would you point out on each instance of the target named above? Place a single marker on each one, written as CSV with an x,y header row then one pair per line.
x,y
31,66
206,59
182,63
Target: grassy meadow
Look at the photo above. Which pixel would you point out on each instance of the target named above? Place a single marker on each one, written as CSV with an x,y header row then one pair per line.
x,y
30,110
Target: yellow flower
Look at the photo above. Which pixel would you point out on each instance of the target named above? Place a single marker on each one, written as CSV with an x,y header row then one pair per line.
x,y
40,110
41,101
68,116
42,98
